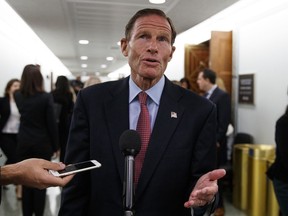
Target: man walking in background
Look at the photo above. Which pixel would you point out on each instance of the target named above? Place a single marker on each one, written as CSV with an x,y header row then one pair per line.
x,y
207,83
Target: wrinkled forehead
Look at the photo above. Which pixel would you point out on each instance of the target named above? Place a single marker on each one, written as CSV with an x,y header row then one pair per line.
x,y
155,22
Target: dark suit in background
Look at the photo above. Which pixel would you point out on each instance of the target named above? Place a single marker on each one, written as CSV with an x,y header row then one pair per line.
x,y
181,149
37,138
223,105
4,111
207,83
279,169
65,100
8,142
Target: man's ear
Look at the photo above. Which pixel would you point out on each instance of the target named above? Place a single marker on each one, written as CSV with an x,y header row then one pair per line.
x,y
171,54
124,45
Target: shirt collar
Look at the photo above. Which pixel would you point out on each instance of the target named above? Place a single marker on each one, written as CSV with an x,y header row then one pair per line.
x,y
154,93
212,89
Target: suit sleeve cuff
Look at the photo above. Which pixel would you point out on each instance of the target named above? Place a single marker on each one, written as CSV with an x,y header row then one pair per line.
x,y
206,210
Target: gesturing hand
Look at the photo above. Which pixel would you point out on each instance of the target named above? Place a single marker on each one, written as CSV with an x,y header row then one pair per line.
x,y
205,189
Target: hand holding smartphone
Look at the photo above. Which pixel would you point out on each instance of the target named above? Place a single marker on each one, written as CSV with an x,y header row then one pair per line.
x,y
75,168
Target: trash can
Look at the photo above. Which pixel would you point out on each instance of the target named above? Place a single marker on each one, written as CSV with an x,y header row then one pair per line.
x,y
257,180
240,175
271,202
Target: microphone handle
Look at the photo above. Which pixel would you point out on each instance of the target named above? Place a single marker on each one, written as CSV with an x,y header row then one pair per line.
x,y
129,184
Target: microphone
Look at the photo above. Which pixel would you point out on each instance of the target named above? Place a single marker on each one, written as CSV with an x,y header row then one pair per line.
x,y
130,144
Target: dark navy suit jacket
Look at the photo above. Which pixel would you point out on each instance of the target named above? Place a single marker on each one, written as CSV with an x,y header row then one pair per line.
x,y
4,115
181,149
4,111
279,168
223,105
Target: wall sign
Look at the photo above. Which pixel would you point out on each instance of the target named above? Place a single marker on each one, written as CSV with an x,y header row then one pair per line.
x,y
246,89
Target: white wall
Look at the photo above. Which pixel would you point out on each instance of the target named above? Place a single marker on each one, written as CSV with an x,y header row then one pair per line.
x,y
260,46
21,46
263,50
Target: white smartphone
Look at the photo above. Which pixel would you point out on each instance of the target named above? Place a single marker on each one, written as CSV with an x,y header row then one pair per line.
x,y
75,168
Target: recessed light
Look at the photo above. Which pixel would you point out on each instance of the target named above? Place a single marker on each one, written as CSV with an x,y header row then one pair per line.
x,y
84,65
118,43
103,66
83,57
83,42
157,1
109,58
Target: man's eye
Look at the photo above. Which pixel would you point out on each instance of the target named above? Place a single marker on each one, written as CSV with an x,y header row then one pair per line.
x,y
143,36
163,39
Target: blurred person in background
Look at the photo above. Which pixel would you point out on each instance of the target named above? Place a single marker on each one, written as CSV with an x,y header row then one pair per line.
x,y
38,134
206,81
92,81
77,84
279,169
185,83
63,97
9,125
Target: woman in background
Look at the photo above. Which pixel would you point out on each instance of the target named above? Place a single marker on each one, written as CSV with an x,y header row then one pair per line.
x,y
38,134
64,99
279,169
9,121
9,125
185,83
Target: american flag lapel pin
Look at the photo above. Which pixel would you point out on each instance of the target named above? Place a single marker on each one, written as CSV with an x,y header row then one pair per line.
x,y
173,115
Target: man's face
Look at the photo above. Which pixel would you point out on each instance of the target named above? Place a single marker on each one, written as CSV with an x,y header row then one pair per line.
x,y
149,49
202,83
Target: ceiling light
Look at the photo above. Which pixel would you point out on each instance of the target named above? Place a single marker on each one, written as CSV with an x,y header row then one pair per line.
x,y
118,43
157,1
103,66
83,57
83,42
109,58
84,65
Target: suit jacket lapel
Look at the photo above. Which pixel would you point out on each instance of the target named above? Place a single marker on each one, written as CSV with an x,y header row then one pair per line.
x,y
117,115
213,95
168,117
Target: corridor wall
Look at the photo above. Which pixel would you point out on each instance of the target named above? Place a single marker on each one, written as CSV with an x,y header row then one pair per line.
x,y
21,46
260,47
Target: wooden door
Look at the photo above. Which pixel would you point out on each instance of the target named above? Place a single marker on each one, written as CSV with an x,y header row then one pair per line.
x,y
221,57
215,54
196,58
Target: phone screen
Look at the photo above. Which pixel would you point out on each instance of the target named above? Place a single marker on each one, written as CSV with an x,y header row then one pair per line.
x,y
77,166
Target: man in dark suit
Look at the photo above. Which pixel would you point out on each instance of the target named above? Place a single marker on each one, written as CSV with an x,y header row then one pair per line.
x,y
207,83
181,148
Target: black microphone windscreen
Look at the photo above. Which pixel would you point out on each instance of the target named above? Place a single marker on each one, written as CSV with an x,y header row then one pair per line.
x,y
130,142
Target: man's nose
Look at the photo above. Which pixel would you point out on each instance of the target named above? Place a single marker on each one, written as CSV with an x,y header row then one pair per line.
x,y
153,47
